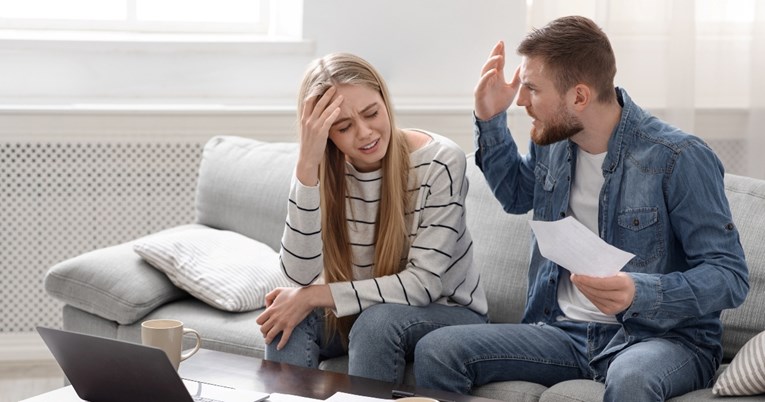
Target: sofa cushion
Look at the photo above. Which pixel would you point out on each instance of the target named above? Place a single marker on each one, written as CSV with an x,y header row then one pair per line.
x,y
747,202
220,330
746,373
520,391
243,186
113,283
224,269
504,264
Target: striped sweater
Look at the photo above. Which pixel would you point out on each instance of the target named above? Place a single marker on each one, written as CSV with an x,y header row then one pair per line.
x,y
439,266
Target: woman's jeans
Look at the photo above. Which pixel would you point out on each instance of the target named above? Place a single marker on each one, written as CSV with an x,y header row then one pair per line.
x,y
381,341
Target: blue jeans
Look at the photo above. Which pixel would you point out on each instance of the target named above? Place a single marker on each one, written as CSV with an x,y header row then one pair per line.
x,y
381,341
458,358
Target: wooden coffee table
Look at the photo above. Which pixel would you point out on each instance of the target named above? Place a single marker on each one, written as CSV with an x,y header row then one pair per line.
x,y
238,371
246,372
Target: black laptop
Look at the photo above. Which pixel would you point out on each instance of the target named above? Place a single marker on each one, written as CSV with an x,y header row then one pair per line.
x,y
104,369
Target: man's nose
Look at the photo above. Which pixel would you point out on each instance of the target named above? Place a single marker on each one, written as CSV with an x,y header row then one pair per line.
x,y
522,99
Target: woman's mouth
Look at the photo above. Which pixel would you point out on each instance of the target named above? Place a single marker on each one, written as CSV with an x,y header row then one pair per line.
x,y
370,147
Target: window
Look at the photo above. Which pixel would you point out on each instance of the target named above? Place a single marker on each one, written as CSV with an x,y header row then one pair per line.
x,y
251,17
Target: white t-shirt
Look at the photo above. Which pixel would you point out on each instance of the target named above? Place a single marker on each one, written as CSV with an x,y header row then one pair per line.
x,y
583,206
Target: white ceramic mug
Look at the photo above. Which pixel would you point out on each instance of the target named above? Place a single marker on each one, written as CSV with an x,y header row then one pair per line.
x,y
168,336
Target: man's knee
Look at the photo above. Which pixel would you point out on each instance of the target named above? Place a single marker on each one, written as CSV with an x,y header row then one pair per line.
x,y
629,382
655,371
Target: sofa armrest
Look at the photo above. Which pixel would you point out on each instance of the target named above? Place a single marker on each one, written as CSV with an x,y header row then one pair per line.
x,y
113,283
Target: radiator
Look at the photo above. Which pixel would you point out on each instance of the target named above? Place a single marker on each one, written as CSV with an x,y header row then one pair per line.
x,y
61,199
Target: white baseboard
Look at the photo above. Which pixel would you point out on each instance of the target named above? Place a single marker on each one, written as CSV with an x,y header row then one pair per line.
x,y
23,347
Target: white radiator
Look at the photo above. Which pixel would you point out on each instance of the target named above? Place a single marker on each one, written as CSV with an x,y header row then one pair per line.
x,y
60,199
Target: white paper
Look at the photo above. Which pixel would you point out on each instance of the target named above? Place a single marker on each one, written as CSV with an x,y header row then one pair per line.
x,y
571,245
221,393
343,397
276,397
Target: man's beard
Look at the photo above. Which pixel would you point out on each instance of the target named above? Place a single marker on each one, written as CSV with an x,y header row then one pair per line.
x,y
563,127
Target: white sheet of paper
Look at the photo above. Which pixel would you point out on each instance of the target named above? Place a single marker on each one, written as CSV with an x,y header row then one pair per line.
x,y
571,245
344,397
276,397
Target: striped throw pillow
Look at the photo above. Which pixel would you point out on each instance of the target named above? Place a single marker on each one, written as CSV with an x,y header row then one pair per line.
x,y
224,269
745,375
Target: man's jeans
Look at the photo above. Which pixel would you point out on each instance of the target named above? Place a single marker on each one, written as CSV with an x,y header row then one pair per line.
x,y
381,341
459,358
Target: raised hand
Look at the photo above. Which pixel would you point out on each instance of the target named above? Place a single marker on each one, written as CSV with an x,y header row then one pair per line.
x,y
319,113
493,94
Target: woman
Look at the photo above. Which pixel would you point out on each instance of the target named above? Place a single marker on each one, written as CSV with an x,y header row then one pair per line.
x,y
375,231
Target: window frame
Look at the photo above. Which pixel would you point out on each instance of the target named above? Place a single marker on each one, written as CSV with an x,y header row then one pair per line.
x,y
131,25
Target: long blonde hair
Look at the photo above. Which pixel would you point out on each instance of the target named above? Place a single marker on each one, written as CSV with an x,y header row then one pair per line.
x,y
391,234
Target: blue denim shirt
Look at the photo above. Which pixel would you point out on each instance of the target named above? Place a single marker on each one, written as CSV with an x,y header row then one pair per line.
x,y
662,200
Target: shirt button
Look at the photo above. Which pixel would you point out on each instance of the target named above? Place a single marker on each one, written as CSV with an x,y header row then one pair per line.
x,y
729,226
636,222
635,314
562,214
547,311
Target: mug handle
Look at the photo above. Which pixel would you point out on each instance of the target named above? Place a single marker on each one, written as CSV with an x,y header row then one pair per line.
x,y
189,353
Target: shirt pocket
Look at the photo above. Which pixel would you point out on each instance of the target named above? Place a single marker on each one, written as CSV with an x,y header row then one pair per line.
x,y
543,192
640,234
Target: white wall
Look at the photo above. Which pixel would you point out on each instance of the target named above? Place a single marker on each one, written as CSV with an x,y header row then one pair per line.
x,y
426,48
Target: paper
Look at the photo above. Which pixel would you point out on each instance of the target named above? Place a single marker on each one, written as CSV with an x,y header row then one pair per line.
x,y
571,245
343,397
276,397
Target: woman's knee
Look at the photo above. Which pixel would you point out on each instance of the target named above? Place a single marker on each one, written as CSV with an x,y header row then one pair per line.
x,y
376,324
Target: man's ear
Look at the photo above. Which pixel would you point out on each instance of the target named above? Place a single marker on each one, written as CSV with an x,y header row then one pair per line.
x,y
582,96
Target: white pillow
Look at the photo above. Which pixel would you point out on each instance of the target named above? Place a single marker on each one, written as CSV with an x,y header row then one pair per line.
x,y
745,375
224,269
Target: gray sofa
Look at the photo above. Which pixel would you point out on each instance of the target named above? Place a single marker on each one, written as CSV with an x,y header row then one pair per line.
x,y
243,186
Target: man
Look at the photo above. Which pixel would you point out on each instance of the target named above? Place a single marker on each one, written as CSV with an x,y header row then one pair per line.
x,y
653,330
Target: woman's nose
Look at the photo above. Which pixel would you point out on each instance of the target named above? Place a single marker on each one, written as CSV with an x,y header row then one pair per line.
x,y
363,130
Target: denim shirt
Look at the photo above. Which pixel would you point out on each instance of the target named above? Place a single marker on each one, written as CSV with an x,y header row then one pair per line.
x,y
663,200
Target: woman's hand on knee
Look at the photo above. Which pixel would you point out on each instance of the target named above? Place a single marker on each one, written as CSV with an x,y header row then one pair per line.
x,y
287,307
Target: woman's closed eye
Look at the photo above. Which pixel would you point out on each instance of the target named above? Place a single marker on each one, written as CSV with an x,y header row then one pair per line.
x,y
344,126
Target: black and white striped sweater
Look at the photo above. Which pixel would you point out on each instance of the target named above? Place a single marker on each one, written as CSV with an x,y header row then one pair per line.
x,y
439,266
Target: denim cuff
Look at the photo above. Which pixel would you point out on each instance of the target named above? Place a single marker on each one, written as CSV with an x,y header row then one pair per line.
x,y
647,296
490,132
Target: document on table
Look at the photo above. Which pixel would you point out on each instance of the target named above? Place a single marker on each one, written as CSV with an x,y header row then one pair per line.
x,y
276,397
344,397
571,245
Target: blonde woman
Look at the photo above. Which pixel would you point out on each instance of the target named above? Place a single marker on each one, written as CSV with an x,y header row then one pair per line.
x,y
375,231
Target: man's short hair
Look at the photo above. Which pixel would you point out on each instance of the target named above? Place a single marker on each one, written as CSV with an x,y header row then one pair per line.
x,y
576,51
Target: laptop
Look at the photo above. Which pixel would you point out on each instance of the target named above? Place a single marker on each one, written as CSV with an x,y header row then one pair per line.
x,y
105,369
